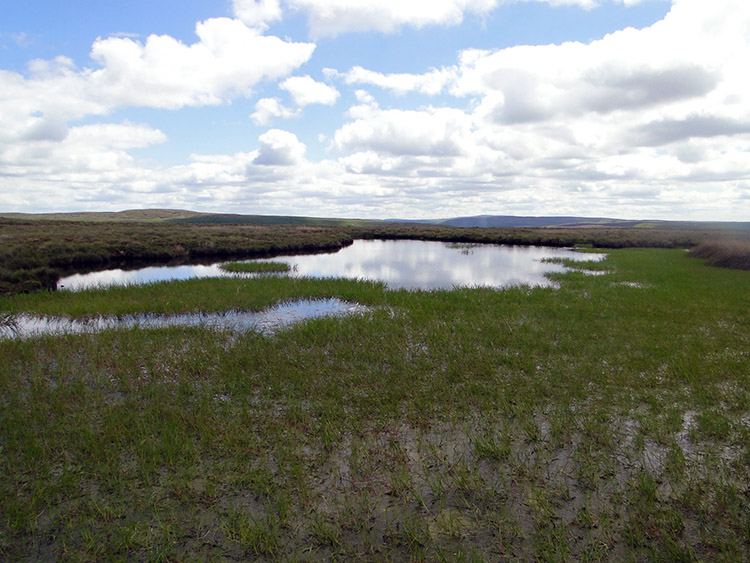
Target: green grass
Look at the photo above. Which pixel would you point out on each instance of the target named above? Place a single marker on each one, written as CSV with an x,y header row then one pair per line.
x,y
604,420
256,267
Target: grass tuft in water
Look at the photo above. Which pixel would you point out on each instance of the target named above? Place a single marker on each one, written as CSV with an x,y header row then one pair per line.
x,y
256,267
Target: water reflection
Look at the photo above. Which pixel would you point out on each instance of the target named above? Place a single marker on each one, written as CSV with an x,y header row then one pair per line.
x,y
142,275
409,264
267,321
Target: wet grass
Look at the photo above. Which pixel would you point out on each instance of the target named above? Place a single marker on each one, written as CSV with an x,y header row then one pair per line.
x,y
608,419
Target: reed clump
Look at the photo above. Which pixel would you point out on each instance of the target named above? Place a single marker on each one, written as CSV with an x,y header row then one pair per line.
x,y
724,253
256,267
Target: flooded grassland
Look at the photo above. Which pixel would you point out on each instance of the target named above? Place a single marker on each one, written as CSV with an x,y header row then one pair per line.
x,y
605,418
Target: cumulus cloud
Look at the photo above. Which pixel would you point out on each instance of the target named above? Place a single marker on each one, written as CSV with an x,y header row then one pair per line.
x,y
120,136
305,91
267,109
333,17
666,131
430,83
279,148
257,13
429,132
37,108
227,61
637,111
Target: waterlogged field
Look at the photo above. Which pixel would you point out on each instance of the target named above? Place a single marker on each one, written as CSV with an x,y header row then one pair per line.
x,y
608,419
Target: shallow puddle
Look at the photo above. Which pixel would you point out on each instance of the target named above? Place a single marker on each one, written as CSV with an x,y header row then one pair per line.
x,y
267,321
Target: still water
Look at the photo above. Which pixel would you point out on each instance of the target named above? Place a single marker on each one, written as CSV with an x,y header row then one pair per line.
x,y
408,264
267,321
413,264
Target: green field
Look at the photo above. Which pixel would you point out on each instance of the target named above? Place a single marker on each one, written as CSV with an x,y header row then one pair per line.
x,y
608,419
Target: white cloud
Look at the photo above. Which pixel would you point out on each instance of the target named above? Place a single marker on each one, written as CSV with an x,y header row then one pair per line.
x,y
60,163
616,124
257,13
227,61
121,136
332,17
306,91
430,83
279,148
267,109
429,132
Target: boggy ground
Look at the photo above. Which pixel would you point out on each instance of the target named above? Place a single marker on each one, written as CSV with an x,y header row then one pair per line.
x,y
608,419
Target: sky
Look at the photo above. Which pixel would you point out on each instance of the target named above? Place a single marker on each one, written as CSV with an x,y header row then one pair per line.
x,y
633,109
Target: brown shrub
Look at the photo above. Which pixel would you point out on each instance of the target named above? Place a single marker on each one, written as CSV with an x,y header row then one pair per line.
x,y
725,254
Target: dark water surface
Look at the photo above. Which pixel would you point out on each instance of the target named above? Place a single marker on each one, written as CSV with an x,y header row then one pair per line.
x,y
409,264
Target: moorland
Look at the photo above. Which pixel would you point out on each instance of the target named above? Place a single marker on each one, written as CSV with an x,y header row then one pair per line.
x,y
605,419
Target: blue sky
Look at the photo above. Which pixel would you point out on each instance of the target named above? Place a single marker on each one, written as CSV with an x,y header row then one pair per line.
x,y
389,108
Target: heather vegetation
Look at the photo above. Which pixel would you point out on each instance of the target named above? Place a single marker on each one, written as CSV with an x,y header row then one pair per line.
x,y
607,419
33,254
733,253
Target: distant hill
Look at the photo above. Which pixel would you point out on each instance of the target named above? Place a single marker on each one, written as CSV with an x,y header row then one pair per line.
x,y
225,218
508,221
138,215
524,221
483,221
180,216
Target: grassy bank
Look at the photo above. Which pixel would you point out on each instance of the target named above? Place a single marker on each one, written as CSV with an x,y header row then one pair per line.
x,y
605,420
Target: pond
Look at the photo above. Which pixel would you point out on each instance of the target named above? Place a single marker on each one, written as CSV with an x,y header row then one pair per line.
x,y
400,264
267,321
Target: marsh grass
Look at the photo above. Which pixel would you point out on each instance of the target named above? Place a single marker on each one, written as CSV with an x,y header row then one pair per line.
x,y
256,267
597,421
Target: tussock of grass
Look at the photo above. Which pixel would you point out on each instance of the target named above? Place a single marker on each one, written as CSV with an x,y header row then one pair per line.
x,y
725,254
256,267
